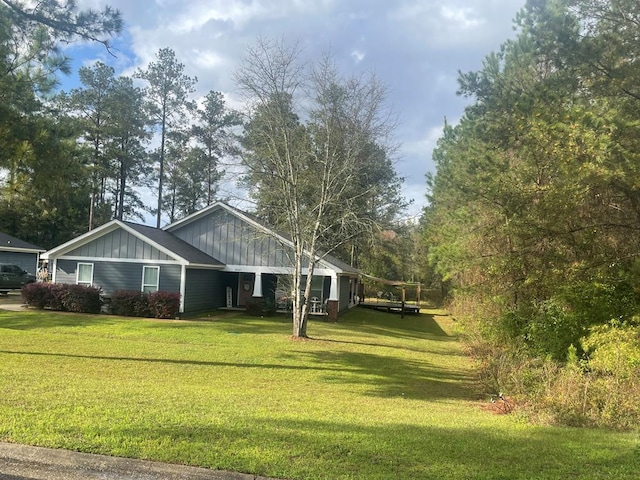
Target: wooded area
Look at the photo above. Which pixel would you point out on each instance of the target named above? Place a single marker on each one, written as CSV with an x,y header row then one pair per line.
x,y
71,161
534,214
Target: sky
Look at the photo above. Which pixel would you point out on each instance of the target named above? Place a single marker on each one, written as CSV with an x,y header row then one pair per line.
x,y
416,47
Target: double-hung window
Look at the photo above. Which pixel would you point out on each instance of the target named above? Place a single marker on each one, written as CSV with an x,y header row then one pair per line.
x,y
150,279
84,274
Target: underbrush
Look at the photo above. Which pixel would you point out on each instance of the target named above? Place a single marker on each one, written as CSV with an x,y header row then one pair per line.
x,y
601,388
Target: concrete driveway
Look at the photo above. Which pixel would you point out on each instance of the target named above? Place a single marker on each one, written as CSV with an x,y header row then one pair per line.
x,y
21,462
11,301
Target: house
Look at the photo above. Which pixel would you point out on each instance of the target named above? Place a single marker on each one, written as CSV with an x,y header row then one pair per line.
x,y
219,257
18,252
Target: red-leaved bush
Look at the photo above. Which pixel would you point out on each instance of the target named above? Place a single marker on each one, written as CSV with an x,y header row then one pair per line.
x,y
62,297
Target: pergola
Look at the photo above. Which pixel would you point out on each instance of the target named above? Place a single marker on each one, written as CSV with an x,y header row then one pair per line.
x,y
402,285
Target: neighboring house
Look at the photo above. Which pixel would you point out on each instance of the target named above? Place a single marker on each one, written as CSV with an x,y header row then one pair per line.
x,y
17,252
217,257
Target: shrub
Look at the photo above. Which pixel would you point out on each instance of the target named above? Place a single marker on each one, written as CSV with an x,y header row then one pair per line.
x,y
81,299
37,295
56,291
254,307
130,303
164,304
62,297
269,307
263,307
614,367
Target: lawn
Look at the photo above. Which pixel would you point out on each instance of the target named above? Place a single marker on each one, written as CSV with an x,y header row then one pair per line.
x,y
373,396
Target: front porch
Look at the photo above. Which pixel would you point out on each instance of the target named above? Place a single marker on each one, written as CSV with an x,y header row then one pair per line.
x,y
330,293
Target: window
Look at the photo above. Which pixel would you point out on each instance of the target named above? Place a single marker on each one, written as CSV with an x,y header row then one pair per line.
x,y
317,284
150,279
85,274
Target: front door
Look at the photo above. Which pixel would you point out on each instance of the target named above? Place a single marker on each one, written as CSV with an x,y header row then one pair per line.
x,y
245,289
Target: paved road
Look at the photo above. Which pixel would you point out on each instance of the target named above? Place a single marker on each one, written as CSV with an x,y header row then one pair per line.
x,y
21,462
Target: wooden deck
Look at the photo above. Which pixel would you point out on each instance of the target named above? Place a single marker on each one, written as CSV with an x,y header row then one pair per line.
x,y
395,307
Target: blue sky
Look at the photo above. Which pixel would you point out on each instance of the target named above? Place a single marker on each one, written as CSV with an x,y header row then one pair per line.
x,y
416,47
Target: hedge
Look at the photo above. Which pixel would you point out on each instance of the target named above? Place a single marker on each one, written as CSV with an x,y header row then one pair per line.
x,y
62,297
132,303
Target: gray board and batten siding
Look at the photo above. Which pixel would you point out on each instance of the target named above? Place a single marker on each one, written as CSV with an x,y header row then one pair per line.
x,y
119,244
232,241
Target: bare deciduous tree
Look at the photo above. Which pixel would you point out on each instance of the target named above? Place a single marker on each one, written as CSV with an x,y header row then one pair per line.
x,y
310,137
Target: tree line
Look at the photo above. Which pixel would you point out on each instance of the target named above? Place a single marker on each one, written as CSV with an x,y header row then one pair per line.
x,y
534,209
74,160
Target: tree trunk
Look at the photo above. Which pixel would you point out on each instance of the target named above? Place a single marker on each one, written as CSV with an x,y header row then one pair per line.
x,y
162,141
300,305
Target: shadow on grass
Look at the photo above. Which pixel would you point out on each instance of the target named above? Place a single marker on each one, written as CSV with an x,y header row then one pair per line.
x,y
377,375
231,323
420,326
290,448
39,319
368,322
388,376
169,361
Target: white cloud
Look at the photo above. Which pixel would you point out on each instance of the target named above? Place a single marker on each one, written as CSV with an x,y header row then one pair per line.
x,y
458,23
207,59
461,17
358,55
198,14
422,146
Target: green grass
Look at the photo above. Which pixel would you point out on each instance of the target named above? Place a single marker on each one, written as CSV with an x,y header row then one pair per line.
x,y
373,396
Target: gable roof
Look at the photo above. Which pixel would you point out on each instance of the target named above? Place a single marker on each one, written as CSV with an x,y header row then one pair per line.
x,y
174,244
167,243
326,260
9,243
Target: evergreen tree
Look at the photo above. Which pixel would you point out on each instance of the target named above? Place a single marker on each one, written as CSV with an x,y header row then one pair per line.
x,y
167,93
214,133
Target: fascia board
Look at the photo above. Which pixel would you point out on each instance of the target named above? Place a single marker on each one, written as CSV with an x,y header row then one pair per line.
x,y
102,230
201,266
21,250
81,240
194,216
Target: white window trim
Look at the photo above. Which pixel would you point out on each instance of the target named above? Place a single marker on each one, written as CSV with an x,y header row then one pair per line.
x,y
156,285
78,282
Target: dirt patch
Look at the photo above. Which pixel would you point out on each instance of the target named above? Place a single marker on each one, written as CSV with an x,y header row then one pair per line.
x,y
499,405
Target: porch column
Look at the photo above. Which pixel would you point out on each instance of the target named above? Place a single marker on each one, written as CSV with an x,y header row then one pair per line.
x,y
354,292
53,269
332,303
333,290
183,286
257,285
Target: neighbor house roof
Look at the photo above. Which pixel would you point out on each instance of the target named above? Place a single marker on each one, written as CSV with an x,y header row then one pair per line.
x,y
13,244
